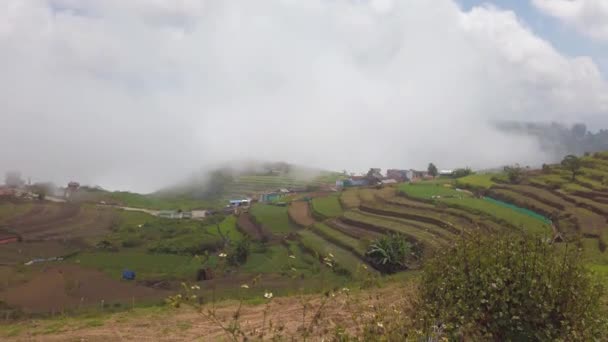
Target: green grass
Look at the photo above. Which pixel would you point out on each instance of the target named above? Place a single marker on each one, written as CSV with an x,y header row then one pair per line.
x,y
276,259
350,198
428,191
328,206
152,201
355,245
273,218
476,181
397,226
146,266
143,232
343,258
500,212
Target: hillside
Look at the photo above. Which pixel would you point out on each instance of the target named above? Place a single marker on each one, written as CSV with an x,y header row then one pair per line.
x,y
319,240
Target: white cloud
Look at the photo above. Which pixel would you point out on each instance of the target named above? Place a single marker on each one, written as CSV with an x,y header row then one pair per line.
x,y
588,16
138,93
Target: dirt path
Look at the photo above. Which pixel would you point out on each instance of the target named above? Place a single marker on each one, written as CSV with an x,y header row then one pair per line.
x,y
246,224
185,324
299,212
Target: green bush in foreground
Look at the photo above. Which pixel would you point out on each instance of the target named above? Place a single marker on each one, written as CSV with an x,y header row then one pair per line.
x,y
391,253
511,288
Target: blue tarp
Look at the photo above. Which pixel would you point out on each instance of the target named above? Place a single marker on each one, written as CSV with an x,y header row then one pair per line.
x,y
128,275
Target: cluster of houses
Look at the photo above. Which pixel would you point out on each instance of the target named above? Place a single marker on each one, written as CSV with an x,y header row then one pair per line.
x,y
375,177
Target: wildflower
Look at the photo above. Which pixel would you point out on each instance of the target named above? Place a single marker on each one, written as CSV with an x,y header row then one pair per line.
x,y
195,287
364,267
268,295
380,325
345,289
223,255
193,296
494,285
293,269
331,255
292,256
245,286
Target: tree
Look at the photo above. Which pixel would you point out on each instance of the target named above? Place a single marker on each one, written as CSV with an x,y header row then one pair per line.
x,y
573,164
459,173
514,173
511,288
432,170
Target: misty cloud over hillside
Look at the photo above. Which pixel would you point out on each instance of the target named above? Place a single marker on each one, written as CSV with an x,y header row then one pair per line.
x,y
138,94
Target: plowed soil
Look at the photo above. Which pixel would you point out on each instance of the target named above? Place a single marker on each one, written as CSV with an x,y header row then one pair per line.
x,y
60,287
246,224
299,212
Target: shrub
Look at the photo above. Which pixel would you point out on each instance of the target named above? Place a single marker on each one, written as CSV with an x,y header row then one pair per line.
x,y
239,252
391,253
132,242
510,288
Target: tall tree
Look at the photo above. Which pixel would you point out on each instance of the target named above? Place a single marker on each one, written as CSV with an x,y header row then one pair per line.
x,y
432,170
573,164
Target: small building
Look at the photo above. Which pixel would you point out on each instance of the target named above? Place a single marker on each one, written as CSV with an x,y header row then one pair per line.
x,y
389,181
356,181
271,196
446,173
414,176
6,191
170,214
398,175
7,237
239,202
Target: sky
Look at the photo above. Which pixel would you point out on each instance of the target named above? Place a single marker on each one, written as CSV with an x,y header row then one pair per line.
x,y
139,94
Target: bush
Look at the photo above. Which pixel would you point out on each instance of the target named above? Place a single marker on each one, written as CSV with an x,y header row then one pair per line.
x,y
391,253
511,288
132,242
239,252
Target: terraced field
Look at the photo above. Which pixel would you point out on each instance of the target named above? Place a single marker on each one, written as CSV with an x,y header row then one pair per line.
x,y
326,207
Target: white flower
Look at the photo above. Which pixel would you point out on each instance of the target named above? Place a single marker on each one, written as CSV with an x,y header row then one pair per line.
x,y
292,256
245,286
268,295
193,296
331,255
380,325
195,287
223,255
293,269
345,289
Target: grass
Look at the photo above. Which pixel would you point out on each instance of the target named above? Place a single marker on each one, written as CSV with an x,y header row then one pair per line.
x,y
354,245
501,213
273,218
143,232
276,259
397,226
328,206
350,198
476,181
428,191
343,258
146,266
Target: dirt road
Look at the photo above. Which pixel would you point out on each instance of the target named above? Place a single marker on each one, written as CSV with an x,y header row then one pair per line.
x,y
287,316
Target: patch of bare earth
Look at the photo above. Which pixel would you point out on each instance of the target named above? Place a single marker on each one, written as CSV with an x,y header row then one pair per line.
x,y
299,212
281,317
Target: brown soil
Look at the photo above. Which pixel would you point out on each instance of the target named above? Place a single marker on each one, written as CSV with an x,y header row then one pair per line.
x,y
248,226
63,287
185,324
61,221
299,212
354,231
